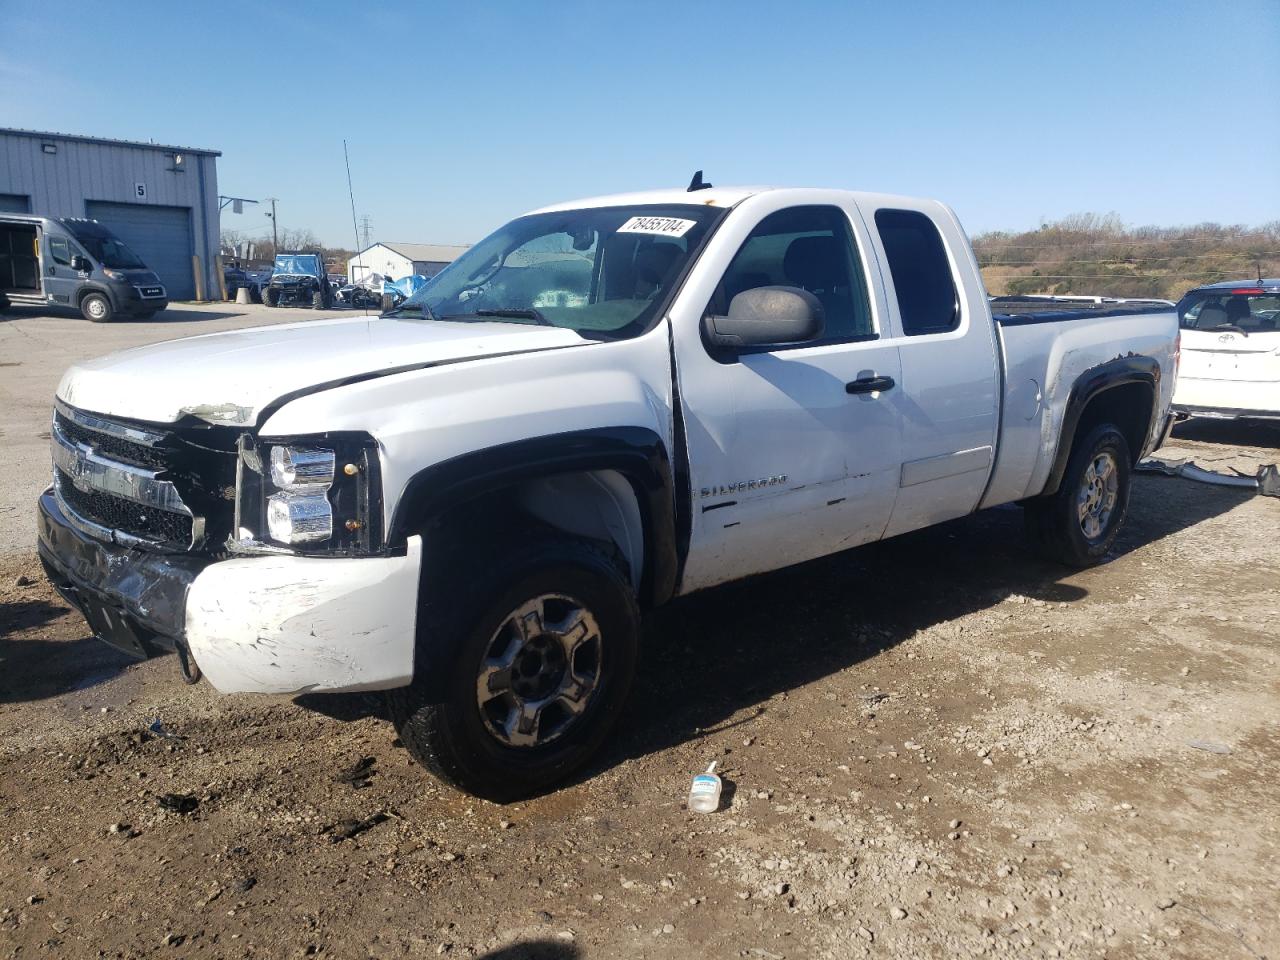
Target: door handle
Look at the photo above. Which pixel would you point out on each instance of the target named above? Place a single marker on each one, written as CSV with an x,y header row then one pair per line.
x,y
871,384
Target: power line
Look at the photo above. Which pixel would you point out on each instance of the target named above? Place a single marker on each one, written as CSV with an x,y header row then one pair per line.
x,y
1109,277
1264,255
1259,237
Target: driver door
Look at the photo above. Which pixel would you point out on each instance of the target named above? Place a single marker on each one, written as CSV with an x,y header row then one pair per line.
x,y
60,280
790,456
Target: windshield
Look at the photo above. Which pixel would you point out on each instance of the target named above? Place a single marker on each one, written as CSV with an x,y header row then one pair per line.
x,y
298,264
605,270
1248,310
111,252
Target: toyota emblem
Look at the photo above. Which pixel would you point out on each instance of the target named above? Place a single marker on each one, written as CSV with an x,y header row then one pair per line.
x,y
1226,338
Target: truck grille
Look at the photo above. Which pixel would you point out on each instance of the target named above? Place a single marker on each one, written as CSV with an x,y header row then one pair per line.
x,y
117,447
110,479
116,513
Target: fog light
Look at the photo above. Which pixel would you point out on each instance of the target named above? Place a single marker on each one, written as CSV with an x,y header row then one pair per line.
x,y
293,468
299,518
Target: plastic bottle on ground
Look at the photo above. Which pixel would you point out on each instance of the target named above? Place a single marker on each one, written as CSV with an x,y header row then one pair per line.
x,y
704,794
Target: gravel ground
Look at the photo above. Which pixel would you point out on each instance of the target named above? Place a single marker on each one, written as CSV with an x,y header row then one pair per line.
x,y
933,746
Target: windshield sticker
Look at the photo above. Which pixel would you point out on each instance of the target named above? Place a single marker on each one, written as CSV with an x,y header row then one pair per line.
x,y
659,226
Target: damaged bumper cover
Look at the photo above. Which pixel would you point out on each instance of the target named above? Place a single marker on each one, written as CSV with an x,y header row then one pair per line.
x,y
284,624
270,624
135,601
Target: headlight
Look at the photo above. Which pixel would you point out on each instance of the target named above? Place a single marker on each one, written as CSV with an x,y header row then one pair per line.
x,y
301,468
313,495
299,518
114,274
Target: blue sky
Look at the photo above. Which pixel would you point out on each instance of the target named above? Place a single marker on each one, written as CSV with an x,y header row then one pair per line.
x,y
462,115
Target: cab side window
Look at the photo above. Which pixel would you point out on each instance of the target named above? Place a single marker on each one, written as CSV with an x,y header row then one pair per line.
x,y
811,248
60,250
927,298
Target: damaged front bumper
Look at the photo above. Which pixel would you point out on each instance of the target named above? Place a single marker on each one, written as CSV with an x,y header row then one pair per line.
x,y
269,624
135,601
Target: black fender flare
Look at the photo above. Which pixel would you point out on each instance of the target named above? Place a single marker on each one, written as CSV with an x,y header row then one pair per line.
x,y
637,453
1091,383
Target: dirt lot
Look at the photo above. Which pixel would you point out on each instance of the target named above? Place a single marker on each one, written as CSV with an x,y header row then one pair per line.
x,y
935,746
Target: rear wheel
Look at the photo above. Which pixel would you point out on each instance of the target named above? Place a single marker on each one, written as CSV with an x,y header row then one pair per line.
x,y
270,297
546,641
1078,525
97,307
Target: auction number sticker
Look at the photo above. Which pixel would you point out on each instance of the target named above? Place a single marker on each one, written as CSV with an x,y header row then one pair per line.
x,y
659,226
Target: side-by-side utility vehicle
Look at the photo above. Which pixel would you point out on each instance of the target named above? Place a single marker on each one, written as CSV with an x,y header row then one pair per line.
x,y
298,279
76,263
472,500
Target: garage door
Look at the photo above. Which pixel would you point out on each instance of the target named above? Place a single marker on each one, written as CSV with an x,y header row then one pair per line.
x,y
161,236
15,203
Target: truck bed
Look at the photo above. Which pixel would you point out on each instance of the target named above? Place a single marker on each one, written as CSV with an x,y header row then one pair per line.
x,y
1045,346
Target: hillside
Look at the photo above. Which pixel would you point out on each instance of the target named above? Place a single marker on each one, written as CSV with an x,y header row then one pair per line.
x,y
1091,254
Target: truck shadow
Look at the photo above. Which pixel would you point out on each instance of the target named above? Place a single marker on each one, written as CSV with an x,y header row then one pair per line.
x,y
711,656
36,669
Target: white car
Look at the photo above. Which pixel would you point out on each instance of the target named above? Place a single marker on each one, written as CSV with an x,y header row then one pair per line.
x,y
471,500
1230,351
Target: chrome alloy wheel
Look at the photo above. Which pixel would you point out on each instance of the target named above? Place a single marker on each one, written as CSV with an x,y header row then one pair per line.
x,y
97,309
1099,490
540,671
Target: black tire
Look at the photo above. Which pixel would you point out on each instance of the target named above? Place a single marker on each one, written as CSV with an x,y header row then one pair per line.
x,y
270,297
388,303
440,718
317,300
97,308
1058,525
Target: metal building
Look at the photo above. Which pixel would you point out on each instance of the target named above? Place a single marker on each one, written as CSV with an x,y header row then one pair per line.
x,y
398,260
160,200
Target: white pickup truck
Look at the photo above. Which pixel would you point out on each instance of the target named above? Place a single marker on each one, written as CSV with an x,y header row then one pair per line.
x,y
471,500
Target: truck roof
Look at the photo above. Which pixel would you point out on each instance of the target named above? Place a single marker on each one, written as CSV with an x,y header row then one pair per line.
x,y
714,197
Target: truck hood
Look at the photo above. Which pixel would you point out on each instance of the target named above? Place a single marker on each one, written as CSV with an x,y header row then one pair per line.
x,y
229,378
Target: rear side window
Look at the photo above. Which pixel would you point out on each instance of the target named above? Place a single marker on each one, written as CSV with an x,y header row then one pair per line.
x,y
922,277
1245,310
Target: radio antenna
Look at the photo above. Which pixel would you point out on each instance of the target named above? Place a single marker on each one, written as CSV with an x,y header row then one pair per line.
x,y
355,231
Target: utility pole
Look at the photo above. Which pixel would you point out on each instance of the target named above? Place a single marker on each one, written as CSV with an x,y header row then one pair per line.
x,y
275,233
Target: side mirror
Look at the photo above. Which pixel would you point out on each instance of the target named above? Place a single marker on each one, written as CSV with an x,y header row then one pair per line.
x,y
768,315
81,264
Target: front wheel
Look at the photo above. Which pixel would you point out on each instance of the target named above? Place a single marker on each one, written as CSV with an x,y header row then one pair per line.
x,y
545,642
97,307
1078,525
270,297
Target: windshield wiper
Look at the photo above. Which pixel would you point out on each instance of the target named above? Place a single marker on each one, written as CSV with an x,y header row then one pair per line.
x,y
422,308
1232,327
517,313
